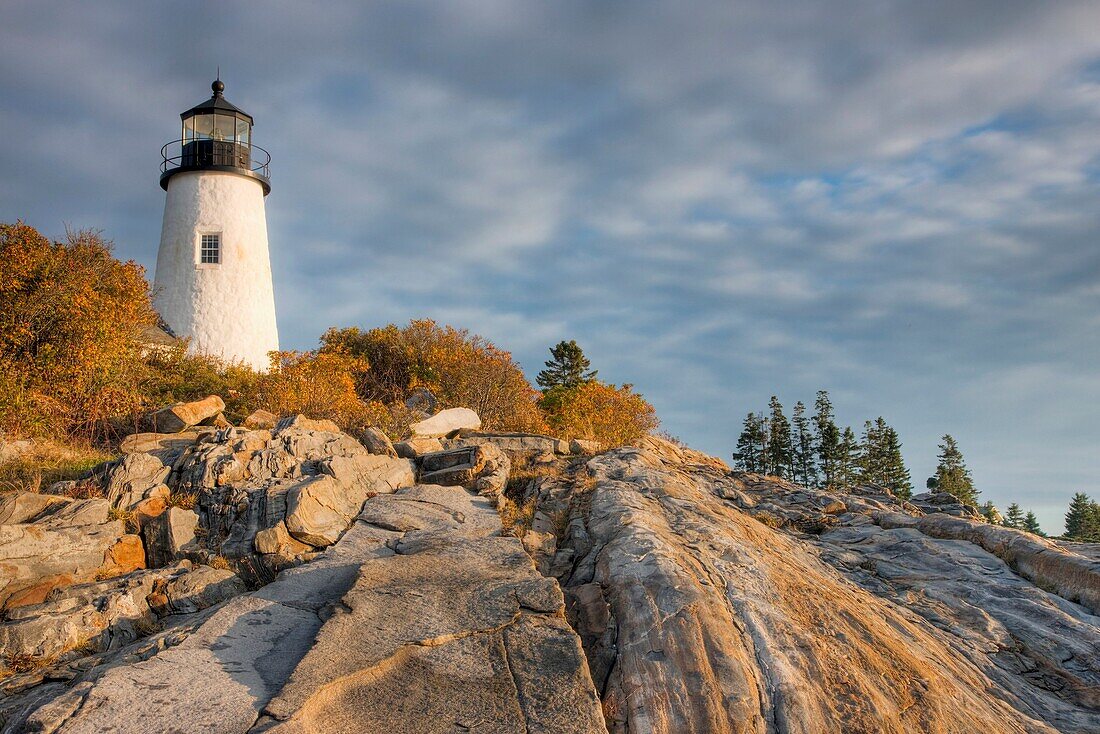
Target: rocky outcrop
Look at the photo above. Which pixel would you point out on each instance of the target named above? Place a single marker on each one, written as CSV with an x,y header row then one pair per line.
x,y
302,479
68,542
653,590
516,445
481,467
422,617
718,602
107,615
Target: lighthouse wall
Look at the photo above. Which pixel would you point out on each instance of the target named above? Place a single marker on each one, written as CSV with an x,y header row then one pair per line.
x,y
227,309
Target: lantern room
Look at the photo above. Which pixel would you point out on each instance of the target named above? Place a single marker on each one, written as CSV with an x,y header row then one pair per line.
x,y
215,135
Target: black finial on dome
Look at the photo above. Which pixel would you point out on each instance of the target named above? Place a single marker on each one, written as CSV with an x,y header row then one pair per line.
x,y
218,86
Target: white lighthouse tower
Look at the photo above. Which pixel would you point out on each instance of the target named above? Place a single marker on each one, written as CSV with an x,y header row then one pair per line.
x,y
213,279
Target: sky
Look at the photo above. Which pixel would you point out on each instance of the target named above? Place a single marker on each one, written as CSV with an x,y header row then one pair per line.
x,y
897,202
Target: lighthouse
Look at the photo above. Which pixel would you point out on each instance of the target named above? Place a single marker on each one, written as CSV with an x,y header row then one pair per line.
x,y
213,277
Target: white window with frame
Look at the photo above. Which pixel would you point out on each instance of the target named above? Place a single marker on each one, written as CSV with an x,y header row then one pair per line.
x,y
210,249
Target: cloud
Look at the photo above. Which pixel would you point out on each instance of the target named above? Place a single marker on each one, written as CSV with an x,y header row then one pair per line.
x,y
892,201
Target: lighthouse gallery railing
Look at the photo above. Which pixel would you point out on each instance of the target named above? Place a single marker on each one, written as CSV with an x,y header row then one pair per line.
x,y
202,153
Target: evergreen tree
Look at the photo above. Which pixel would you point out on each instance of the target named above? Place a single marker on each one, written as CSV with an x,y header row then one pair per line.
x,y
568,367
1031,524
895,474
847,460
780,457
880,460
802,445
751,445
870,454
1083,519
952,475
826,439
1014,518
991,513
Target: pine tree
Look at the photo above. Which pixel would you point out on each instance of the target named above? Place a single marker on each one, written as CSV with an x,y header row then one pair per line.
x,y
895,475
847,461
1031,524
780,458
826,438
751,445
802,445
568,367
880,460
1083,519
991,513
952,475
1014,517
870,454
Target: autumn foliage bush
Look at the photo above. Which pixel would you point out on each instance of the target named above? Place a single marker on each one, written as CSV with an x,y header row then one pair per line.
x,y
460,369
70,318
596,411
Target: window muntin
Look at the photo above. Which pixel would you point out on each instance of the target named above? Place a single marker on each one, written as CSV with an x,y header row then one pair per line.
x,y
210,249
188,129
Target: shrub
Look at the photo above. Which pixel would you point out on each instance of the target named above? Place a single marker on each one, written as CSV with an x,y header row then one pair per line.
x,y
599,412
172,375
317,384
459,368
70,317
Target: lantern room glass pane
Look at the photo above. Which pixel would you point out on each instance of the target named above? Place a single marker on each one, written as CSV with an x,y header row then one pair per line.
x,y
188,129
223,127
204,126
242,132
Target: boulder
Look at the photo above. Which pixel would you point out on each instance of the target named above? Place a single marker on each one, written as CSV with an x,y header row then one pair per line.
x,y
12,450
95,511
180,416
165,446
134,478
277,541
375,441
446,422
106,615
422,401
217,421
483,468
453,467
416,447
944,502
148,509
516,445
23,507
170,536
37,558
320,509
302,423
582,447
261,418
198,588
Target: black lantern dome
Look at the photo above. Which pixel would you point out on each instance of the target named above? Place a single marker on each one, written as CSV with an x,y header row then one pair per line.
x,y
216,136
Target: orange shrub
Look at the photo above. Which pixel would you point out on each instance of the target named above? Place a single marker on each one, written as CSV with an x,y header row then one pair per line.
x,y
317,384
599,412
70,317
459,368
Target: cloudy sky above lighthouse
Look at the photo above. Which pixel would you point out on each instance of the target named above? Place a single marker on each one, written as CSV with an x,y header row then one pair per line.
x,y
895,201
